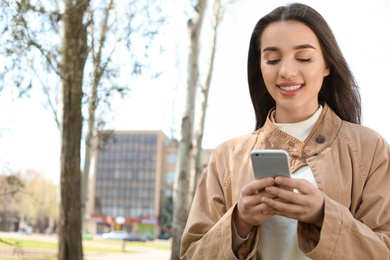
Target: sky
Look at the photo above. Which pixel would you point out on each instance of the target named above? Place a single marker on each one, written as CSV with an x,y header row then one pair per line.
x,y
29,138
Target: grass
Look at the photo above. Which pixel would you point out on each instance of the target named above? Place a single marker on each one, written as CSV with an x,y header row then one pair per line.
x,y
26,243
137,244
104,246
45,257
35,244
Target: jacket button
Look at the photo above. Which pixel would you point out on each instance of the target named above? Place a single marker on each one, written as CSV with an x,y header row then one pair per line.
x,y
320,139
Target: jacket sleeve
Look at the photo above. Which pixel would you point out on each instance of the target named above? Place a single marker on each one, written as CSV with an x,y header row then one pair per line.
x,y
363,233
208,232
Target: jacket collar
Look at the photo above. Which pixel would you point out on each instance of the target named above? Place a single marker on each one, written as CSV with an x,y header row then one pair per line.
x,y
322,136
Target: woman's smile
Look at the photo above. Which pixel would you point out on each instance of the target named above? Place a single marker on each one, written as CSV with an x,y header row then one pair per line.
x,y
290,88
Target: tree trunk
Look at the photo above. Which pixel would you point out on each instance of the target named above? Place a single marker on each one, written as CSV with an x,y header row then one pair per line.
x,y
98,70
74,54
196,168
87,162
182,192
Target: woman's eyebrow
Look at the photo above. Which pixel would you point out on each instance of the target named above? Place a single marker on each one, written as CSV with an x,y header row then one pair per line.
x,y
304,46
271,49
298,47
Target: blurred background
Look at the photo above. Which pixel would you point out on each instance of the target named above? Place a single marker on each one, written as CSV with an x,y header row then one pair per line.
x,y
142,99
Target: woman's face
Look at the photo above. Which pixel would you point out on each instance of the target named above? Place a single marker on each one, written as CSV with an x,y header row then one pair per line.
x,y
293,69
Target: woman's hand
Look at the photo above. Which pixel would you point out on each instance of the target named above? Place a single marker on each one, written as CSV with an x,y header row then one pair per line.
x,y
249,211
295,198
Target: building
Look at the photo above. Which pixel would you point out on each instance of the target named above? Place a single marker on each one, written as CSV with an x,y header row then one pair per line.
x,y
133,176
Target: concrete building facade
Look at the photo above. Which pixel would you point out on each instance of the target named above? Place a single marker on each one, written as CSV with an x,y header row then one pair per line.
x,y
133,177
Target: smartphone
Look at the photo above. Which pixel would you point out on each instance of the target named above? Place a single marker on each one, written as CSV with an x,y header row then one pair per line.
x,y
270,163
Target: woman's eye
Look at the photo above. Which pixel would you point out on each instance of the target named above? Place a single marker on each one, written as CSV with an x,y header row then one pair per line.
x,y
305,60
271,61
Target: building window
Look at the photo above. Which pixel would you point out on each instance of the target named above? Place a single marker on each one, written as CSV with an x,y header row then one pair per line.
x,y
171,158
168,193
170,177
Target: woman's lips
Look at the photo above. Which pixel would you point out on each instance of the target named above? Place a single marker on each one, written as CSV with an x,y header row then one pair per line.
x,y
290,88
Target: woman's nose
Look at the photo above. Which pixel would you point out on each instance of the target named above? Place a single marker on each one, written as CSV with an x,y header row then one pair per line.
x,y
288,69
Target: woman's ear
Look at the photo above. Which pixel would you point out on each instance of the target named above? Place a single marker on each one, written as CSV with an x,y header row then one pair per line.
x,y
326,71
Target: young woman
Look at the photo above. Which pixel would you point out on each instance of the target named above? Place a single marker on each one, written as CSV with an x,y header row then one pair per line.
x,y
337,203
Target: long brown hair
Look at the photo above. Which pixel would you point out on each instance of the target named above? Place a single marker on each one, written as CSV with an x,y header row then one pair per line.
x,y
339,89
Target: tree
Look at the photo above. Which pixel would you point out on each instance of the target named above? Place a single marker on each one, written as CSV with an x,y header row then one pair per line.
x,y
189,154
33,51
74,55
10,188
23,203
26,24
40,207
21,195
166,214
99,68
181,197
109,32
196,168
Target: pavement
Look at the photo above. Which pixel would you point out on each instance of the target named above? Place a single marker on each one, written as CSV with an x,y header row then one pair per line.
x,y
132,252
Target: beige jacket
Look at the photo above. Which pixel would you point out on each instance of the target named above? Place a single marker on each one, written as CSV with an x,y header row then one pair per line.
x,y
351,165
